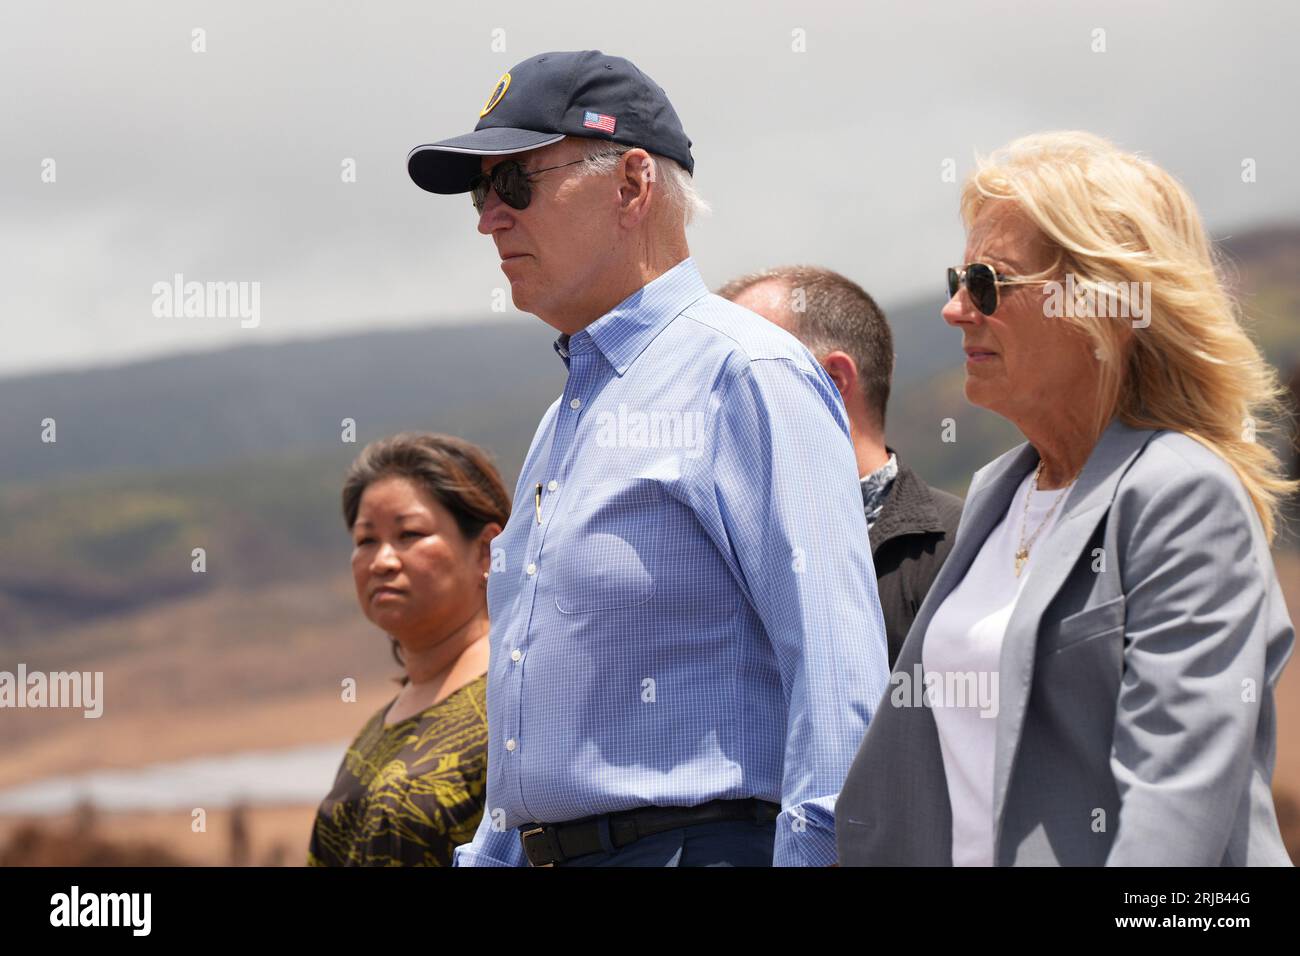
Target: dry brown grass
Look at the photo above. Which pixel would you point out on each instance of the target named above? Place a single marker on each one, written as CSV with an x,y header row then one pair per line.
x,y
274,681
267,836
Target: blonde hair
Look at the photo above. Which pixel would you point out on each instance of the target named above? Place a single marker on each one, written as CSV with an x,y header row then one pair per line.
x,y
1116,218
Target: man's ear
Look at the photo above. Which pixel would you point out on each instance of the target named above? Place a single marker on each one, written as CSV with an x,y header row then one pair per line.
x,y
843,372
636,185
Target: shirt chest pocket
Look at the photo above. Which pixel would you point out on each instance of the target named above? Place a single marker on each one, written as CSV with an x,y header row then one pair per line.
x,y
1075,629
610,551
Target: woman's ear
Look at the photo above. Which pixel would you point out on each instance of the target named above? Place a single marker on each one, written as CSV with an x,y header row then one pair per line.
x,y
490,531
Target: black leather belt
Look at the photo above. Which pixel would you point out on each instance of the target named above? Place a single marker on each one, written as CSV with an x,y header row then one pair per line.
x,y
546,844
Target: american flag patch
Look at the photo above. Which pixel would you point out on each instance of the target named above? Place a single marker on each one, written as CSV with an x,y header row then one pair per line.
x,y
598,121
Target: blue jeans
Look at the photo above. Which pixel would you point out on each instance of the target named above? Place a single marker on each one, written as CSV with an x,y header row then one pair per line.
x,y
725,843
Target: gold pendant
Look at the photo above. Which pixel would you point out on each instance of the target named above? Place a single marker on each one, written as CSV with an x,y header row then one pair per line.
x,y
1021,557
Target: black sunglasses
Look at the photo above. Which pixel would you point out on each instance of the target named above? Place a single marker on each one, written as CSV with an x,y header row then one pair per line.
x,y
511,181
982,282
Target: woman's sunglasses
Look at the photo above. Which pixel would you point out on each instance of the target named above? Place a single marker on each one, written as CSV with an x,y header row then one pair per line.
x,y
982,282
510,181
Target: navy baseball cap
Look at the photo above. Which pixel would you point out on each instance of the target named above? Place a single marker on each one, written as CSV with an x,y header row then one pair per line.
x,y
550,96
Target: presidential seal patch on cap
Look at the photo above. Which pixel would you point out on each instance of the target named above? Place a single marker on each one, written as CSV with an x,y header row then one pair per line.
x,y
498,91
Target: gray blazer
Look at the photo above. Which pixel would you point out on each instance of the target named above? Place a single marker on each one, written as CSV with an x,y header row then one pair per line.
x,y
1135,721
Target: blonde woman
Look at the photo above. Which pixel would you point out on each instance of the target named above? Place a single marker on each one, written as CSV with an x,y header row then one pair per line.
x,y
1090,679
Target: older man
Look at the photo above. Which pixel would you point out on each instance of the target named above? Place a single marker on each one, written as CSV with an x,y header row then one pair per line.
x,y
686,639
912,526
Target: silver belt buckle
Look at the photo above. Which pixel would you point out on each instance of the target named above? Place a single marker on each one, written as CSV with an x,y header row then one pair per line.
x,y
550,845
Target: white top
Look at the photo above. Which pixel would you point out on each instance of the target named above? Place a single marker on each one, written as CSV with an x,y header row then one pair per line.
x,y
960,658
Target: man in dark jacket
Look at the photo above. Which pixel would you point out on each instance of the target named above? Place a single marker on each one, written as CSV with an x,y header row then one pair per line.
x,y
911,525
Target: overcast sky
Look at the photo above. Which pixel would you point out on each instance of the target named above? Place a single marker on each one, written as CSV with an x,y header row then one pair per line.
x,y
225,165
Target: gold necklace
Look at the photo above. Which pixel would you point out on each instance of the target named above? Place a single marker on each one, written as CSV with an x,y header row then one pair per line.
x,y
1022,553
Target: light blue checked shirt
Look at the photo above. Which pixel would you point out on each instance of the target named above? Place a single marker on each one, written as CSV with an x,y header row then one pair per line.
x,y
694,616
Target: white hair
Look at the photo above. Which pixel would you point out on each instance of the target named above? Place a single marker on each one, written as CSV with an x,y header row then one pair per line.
x,y
677,186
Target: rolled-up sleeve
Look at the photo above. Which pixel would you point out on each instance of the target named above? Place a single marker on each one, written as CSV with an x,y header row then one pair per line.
x,y
786,485
490,846
1194,672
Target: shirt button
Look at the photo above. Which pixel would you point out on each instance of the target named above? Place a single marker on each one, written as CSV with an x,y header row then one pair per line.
x,y
532,569
575,403
553,485
510,744
515,655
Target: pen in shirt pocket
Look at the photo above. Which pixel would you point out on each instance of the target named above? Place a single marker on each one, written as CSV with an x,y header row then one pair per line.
x,y
538,501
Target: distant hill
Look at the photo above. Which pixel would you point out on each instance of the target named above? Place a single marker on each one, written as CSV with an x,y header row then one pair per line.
x,y
488,382
1265,276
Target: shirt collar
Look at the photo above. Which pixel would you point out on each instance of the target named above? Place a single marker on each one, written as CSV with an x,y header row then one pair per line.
x,y
875,486
623,333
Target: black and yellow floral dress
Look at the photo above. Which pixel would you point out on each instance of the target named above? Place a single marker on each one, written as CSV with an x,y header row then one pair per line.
x,y
408,794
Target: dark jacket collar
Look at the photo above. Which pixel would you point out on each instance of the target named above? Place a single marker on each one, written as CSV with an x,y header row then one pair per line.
x,y
909,509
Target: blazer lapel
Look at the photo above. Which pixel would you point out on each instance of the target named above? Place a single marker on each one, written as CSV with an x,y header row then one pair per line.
x,y
1087,502
985,507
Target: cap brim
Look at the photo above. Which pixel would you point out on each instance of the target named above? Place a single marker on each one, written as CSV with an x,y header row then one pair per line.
x,y
449,166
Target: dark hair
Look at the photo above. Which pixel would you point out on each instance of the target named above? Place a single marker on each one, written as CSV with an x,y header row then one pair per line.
x,y
837,315
457,474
